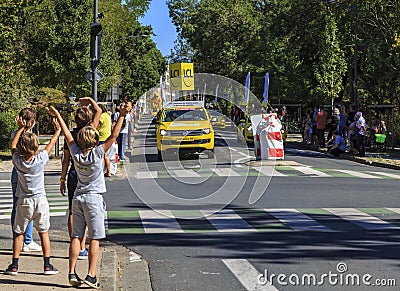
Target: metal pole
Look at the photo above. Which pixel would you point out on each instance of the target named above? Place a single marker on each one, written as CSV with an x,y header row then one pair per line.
x,y
355,85
94,60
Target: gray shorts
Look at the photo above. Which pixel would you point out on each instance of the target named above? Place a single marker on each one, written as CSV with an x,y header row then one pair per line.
x,y
88,210
28,209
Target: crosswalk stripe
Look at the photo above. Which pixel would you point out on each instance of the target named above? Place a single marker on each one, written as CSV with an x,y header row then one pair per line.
x,y
395,210
358,174
226,172
269,171
147,175
186,174
361,219
391,175
247,275
154,222
263,170
227,221
297,220
310,171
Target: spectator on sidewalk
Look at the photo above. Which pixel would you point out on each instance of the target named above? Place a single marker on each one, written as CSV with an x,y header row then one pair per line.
x,y
104,133
83,116
32,202
28,115
122,137
88,204
342,122
321,125
333,122
361,128
338,145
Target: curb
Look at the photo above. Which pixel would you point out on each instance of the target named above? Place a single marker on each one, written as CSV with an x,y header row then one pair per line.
x,y
347,156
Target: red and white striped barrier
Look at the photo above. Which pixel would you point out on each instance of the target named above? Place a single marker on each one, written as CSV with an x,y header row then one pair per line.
x,y
271,141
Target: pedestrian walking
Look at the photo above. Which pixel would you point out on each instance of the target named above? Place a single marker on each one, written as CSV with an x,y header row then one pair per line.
x,y
32,204
28,115
83,116
88,206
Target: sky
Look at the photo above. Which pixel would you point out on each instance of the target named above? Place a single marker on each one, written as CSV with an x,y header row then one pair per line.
x,y
158,17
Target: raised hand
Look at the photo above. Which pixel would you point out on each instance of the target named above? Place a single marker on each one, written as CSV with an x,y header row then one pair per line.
x,y
56,124
20,122
52,111
85,101
125,108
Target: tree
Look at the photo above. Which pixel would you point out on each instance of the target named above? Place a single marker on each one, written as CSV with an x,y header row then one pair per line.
x,y
331,67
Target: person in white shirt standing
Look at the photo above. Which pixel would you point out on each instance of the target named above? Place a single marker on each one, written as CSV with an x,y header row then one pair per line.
x,y
362,132
123,134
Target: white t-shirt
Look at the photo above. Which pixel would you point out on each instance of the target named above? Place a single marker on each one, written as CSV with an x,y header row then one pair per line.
x,y
125,129
361,123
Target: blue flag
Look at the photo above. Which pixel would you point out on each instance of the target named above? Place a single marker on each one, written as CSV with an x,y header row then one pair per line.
x,y
216,94
266,87
247,89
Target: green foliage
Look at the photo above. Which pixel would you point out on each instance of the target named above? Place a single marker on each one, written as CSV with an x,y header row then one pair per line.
x,y
307,46
7,125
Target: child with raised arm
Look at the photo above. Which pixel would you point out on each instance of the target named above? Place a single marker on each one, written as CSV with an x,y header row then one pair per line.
x,y
29,116
83,116
88,207
32,202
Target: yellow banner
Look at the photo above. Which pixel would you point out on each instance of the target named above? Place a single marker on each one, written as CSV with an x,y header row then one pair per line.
x,y
181,76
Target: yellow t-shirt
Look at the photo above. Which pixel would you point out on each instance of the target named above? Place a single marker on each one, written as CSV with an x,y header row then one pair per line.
x,y
105,126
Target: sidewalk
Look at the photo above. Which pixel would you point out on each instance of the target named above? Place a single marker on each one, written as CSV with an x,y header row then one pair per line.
x,y
387,159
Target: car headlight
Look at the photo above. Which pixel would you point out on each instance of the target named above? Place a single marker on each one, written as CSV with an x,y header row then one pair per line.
x,y
214,119
206,131
163,132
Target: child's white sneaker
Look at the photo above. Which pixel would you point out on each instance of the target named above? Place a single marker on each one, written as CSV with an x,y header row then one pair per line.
x,y
32,247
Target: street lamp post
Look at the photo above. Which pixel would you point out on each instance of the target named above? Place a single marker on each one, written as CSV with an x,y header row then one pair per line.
x,y
95,40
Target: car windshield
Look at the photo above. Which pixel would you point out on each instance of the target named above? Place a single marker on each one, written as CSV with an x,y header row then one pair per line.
x,y
184,114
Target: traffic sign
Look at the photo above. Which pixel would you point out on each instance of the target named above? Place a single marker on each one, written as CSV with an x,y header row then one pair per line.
x,y
99,76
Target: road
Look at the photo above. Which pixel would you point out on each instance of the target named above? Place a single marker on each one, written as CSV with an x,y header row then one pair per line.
x,y
230,223
313,218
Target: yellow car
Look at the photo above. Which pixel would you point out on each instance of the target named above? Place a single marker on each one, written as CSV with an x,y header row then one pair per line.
x,y
217,119
245,131
184,126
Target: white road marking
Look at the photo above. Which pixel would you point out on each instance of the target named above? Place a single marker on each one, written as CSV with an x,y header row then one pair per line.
x,y
269,171
391,175
395,210
147,175
310,171
154,222
186,174
358,174
361,219
225,172
227,221
297,220
247,275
